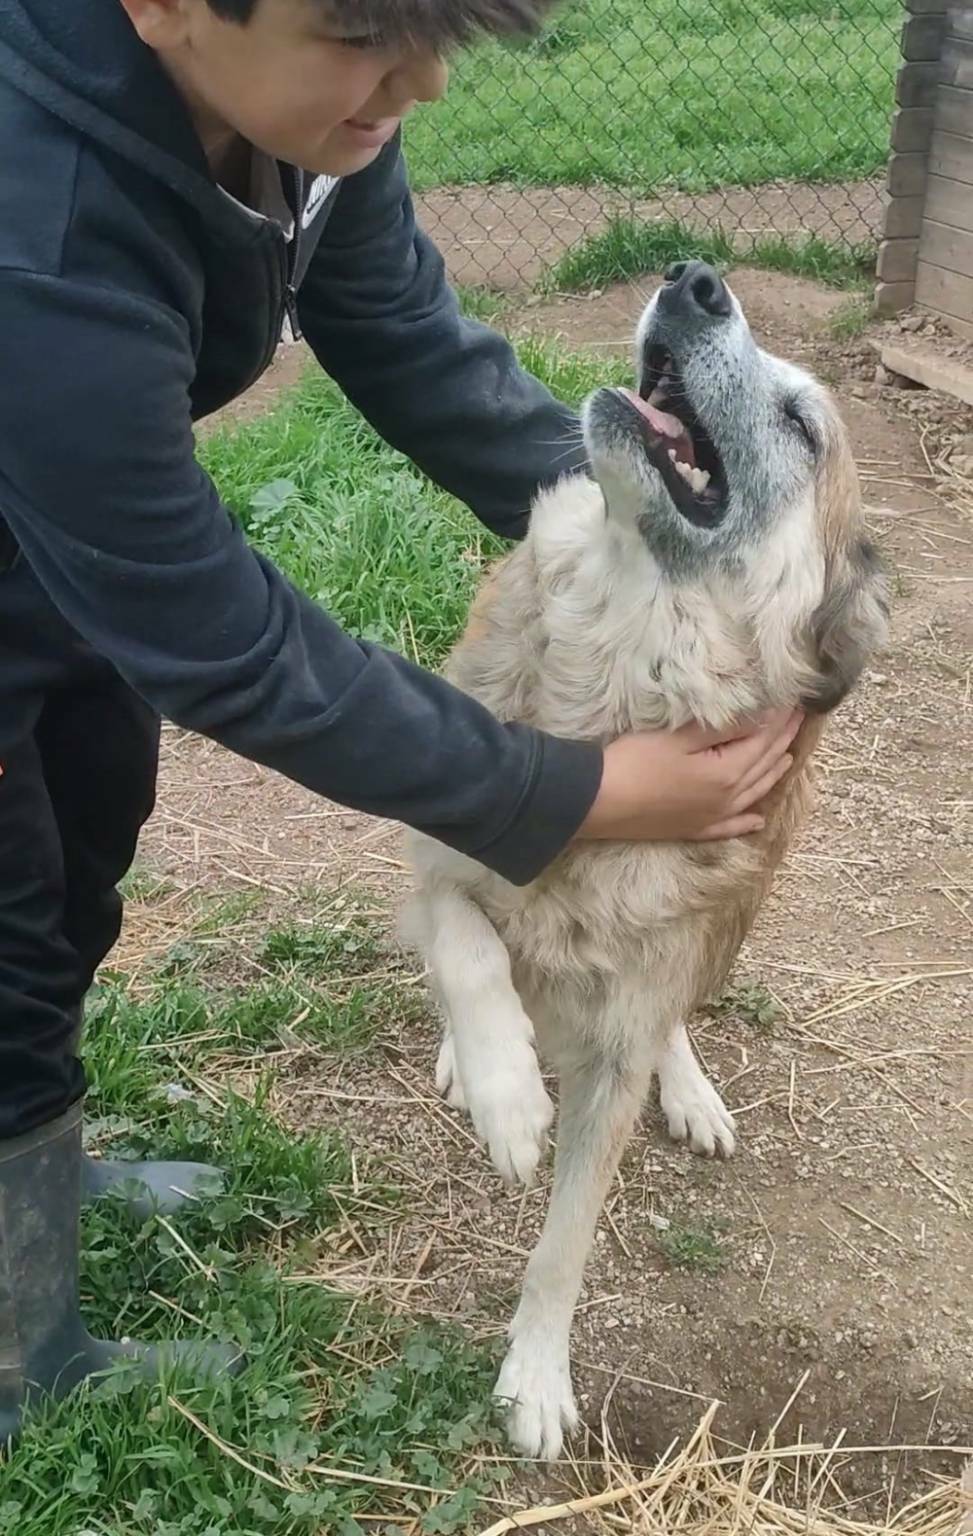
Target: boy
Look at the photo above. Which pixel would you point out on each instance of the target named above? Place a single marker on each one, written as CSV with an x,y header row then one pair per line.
x,y
175,177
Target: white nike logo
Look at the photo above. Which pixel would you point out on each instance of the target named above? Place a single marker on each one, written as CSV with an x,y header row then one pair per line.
x,y
321,188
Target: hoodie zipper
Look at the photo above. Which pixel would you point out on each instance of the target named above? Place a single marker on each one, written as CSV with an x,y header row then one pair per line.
x,y
284,299
293,257
290,309
278,309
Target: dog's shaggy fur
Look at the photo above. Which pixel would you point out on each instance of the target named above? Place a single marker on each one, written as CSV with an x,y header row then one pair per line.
x,y
633,605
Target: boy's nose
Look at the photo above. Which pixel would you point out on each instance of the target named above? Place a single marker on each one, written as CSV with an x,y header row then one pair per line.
x,y
422,76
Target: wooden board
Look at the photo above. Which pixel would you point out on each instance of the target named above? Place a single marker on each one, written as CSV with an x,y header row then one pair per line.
x,y
955,67
897,260
912,128
932,368
890,298
903,217
950,156
953,114
960,21
915,85
948,202
922,37
943,246
949,293
906,175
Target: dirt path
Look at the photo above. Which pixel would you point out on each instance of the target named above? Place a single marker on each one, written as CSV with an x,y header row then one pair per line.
x,y
842,1229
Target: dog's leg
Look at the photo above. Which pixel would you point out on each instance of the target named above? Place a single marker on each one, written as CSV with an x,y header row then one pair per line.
x,y
487,1059
447,1073
601,1096
693,1109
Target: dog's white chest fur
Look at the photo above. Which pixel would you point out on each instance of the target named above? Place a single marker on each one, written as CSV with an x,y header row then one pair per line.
x,y
582,635
604,642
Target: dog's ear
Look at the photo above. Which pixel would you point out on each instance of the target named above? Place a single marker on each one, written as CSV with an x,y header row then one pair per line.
x,y
848,627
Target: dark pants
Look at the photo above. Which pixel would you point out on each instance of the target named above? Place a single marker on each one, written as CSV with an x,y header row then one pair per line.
x,y
79,752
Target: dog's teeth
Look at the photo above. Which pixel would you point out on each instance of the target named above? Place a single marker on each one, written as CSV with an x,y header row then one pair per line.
x,y
697,479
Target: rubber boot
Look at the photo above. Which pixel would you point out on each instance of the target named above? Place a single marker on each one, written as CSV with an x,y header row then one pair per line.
x,y
148,1187
144,1187
44,1345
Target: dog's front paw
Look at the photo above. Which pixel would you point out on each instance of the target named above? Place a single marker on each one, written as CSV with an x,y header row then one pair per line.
x,y
447,1075
511,1110
695,1112
534,1388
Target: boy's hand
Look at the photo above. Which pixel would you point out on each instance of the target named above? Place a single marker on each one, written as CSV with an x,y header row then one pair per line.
x,y
693,784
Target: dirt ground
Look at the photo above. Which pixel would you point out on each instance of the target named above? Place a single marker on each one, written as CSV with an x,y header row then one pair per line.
x,y
844,1221
506,236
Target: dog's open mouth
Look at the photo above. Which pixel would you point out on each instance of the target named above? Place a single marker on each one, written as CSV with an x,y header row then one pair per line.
x,y
677,443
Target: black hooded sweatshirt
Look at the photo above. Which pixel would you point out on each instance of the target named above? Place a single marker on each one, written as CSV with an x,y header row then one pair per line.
x,y
136,296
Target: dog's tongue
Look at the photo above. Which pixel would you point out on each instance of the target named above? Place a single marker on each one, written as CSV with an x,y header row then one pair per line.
x,y
665,426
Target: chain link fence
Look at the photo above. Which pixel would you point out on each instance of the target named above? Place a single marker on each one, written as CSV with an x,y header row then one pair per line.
x,y
760,119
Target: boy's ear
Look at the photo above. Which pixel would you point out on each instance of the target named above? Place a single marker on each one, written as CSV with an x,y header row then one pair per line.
x,y
848,627
160,24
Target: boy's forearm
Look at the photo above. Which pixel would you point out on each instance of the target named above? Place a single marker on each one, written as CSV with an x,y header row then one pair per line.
x,y
131,543
380,316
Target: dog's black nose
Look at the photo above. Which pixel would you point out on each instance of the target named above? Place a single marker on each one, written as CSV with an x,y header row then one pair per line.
x,y
695,286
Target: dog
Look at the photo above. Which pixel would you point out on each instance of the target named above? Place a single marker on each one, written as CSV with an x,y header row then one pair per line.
x,y
714,566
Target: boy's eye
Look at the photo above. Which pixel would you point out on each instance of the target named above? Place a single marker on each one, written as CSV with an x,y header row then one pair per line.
x,y
364,40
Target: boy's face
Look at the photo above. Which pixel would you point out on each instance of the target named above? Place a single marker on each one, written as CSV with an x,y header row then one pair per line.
x,y
290,81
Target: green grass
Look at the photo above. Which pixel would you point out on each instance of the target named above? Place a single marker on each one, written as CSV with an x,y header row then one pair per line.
x,y
482,303
681,93
355,524
332,1385
313,950
628,249
749,1001
692,1247
852,319
326,983
143,885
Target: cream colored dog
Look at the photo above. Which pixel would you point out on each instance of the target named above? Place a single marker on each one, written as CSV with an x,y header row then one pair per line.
x,y
715,567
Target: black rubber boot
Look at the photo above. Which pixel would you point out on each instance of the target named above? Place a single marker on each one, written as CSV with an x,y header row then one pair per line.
x,y
148,1187
44,1345
144,1187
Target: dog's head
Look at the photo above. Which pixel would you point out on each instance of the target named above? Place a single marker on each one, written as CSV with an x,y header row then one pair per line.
x,y
729,461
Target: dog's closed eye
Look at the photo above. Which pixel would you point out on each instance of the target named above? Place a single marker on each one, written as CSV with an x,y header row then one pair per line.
x,y
798,422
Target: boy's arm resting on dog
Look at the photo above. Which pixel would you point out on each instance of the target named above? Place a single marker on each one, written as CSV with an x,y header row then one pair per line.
x,y
100,486
382,320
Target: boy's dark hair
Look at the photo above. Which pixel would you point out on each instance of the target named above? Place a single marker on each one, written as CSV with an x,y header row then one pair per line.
x,y
440,24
